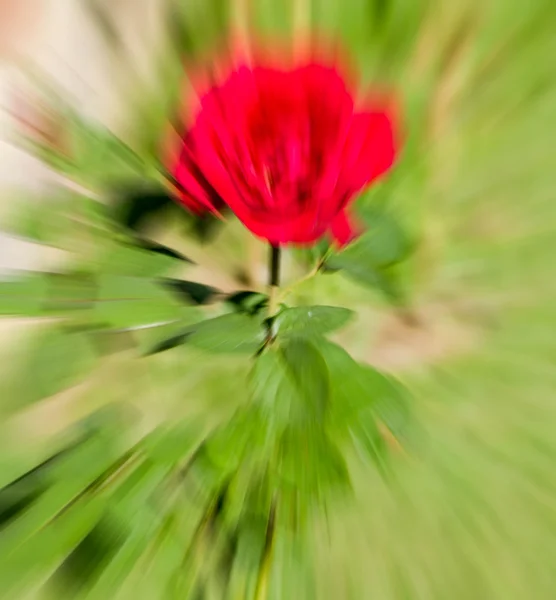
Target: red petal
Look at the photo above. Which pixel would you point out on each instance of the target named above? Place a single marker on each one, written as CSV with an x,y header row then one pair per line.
x,y
369,151
343,231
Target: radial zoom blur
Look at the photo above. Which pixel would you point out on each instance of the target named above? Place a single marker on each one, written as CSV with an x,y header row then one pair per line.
x,y
275,299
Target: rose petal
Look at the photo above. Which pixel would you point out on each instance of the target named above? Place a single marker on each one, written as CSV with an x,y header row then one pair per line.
x,y
342,229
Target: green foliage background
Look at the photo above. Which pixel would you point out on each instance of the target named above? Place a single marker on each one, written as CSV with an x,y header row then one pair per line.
x,y
467,507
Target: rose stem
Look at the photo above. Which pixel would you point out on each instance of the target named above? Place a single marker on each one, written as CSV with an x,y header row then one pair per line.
x,y
274,281
275,266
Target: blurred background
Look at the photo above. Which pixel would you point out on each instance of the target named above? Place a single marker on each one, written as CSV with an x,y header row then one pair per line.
x,y
86,91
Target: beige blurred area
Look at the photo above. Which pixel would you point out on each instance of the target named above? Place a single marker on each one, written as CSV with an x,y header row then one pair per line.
x,y
68,41
65,41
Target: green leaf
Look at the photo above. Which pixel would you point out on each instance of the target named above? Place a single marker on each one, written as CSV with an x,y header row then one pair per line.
x,y
136,208
311,464
385,243
272,389
132,261
37,294
157,248
18,495
204,227
169,343
168,550
311,320
36,559
308,372
313,255
62,523
252,489
290,385
54,361
227,446
105,557
32,222
169,446
130,302
152,340
107,342
134,491
191,291
84,564
24,295
205,477
91,155
368,439
67,216
228,333
72,476
391,403
373,257
360,398
122,563
248,302
54,523
70,291
386,280
251,542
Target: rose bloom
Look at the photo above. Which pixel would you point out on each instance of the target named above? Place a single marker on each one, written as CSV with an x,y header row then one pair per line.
x,y
286,150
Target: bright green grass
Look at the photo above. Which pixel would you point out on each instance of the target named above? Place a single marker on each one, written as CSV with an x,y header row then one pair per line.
x,y
472,514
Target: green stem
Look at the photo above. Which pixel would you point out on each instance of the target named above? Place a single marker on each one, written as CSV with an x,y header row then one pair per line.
x,y
312,273
274,279
288,290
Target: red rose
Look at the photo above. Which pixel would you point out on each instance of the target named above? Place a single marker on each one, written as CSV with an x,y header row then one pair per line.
x,y
285,150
